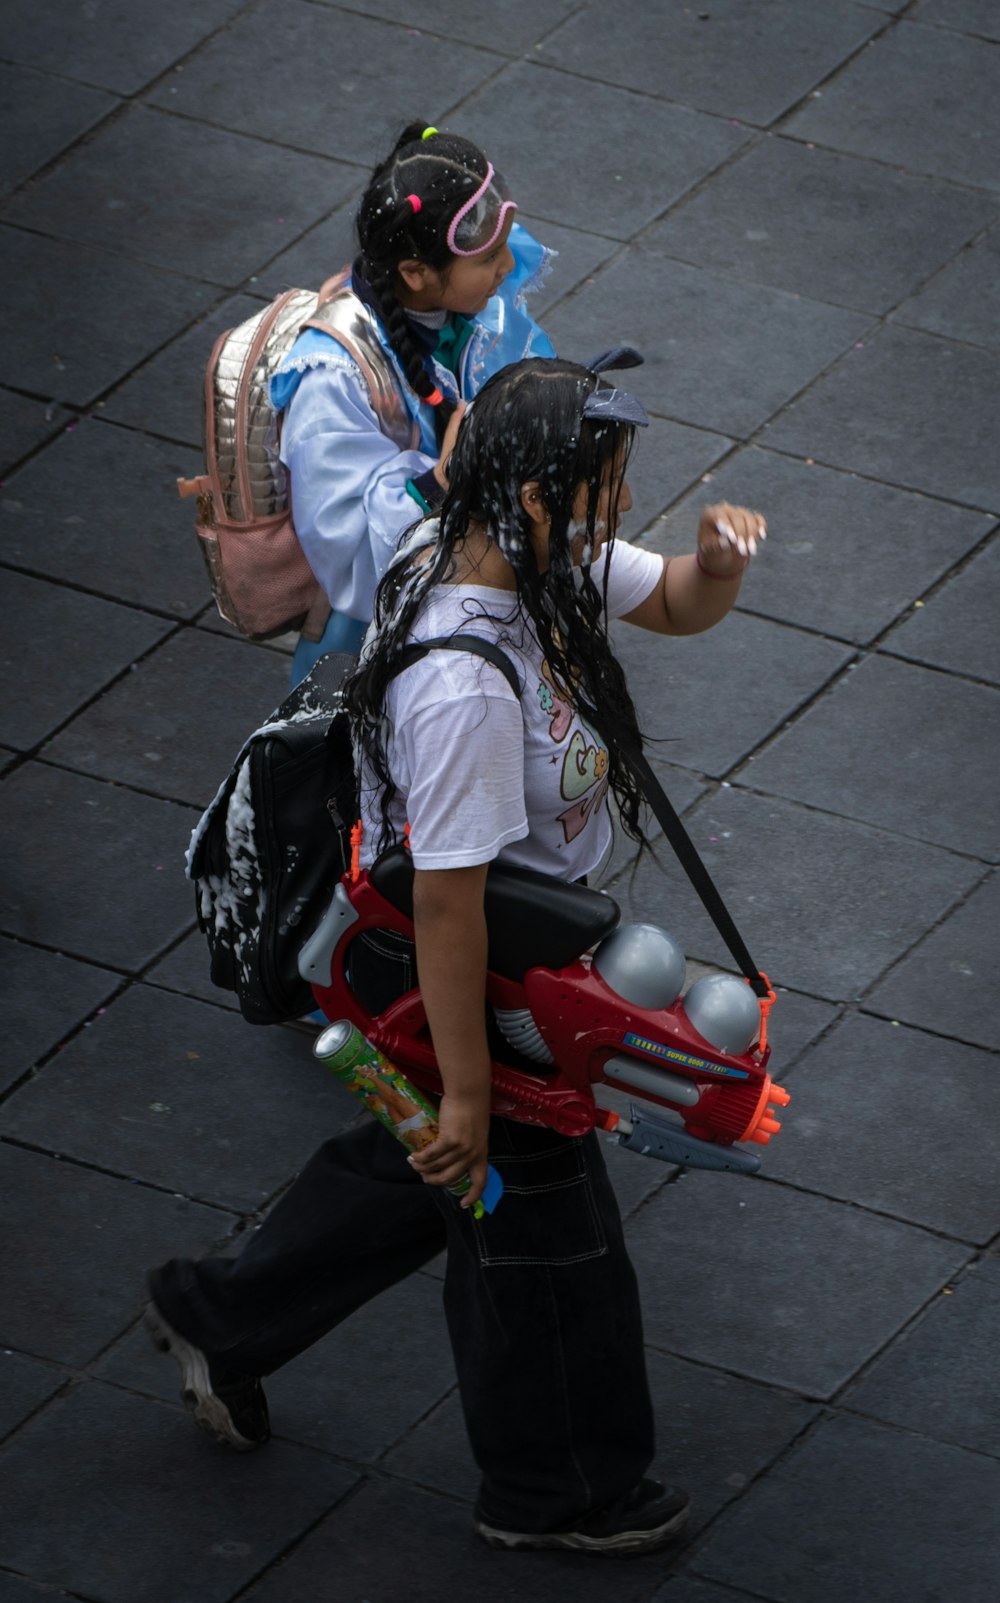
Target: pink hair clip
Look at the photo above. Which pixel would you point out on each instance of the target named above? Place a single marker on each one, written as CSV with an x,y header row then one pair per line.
x,y
415,202
470,222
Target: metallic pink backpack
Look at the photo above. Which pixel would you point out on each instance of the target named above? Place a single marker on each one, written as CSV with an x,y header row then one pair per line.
x,y
260,578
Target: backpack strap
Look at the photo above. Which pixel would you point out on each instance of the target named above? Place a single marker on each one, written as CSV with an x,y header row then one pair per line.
x,y
687,855
345,318
474,644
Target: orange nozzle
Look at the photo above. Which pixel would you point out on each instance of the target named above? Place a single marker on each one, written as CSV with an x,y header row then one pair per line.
x,y
356,837
779,1095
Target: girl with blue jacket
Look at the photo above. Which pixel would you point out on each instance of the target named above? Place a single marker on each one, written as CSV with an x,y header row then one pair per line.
x,y
370,404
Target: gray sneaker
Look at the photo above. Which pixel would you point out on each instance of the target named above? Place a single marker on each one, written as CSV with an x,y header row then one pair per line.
x,y
229,1406
646,1518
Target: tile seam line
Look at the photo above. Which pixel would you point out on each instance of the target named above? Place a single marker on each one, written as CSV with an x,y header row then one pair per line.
x,y
126,99
736,784
78,588
756,439
36,231
920,174
449,39
127,787
913,1432
774,124
870,1211
884,316
231,1211
72,1596
34,753
919,1317
363,169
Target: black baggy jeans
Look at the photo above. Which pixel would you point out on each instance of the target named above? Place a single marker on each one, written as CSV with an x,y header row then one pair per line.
x,y
540,1297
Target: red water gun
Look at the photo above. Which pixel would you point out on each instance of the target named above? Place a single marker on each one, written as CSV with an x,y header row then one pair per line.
x,y
576,1000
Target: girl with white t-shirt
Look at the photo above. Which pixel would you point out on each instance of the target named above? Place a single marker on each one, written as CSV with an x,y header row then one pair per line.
x,y
540,1297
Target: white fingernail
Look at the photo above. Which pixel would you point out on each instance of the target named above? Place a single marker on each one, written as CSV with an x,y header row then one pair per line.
x,y
725,530
753,545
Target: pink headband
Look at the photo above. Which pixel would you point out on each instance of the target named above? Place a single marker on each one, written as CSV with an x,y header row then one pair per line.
x,y
473,216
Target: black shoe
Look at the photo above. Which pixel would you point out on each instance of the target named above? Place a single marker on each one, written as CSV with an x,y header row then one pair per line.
x,y
231,1407
647,1517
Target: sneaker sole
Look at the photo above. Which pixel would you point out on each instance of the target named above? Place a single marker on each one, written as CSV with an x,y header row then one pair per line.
x,y
197,1395
624,1544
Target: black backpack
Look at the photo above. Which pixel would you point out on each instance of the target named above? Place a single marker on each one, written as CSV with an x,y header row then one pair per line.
x,y
269,852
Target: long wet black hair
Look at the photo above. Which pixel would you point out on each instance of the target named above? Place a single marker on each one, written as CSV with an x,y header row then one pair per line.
x,y
444,171
526,424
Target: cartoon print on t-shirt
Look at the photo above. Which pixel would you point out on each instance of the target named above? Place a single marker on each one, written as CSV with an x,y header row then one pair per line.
x,y
585,760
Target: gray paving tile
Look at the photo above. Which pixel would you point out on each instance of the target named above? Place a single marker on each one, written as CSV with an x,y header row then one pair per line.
x,y
324,250
887,745
957,1340
200,1527
76,1245
92,869
186,970
130,309
143,732
580,255
753,63
879,106
907,1138
844,556
668,458
634,1180
13,1589
956,628
149,187
120,46
331,62
433,1554
688,1589
675,685
588,180
967,16
783,1266
46,996
99,509
908,408
948,984
25,1386
25,424
800,218
103,639
865,1512
176,1094
474,22
39,117
719,354
167,395
963,301
824,904
326,1399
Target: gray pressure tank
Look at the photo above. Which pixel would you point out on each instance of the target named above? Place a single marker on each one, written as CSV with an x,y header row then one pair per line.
x,y
725,1011
642,964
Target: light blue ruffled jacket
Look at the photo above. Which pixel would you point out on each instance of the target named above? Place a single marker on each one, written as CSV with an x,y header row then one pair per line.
x,y
349,495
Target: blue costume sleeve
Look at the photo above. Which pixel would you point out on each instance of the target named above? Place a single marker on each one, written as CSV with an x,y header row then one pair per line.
x,y
349,497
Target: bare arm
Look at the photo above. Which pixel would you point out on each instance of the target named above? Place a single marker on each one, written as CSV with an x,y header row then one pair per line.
x,y
449,924
697,591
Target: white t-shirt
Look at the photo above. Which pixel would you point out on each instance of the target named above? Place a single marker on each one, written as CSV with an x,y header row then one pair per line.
x,y
481,775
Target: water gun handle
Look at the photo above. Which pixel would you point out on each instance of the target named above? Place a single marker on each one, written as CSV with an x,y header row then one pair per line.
x,y
395,1102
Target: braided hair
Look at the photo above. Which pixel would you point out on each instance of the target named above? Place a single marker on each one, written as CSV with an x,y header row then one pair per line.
x,y
526,424
443,171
